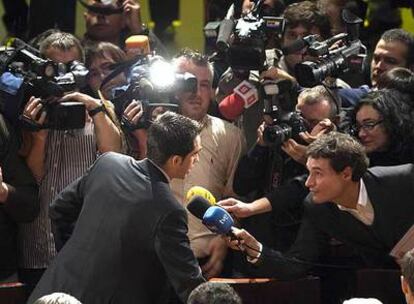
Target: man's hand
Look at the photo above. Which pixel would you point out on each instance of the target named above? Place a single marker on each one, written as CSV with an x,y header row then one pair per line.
x,y
4,190
277,74
244,241
89,102
133,112
31,112
217,252
236,207
323,127
132,14
298,151
295,151
260,141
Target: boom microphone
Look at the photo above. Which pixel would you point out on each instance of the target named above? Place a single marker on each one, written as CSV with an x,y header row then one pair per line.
x,y
244,96
137,45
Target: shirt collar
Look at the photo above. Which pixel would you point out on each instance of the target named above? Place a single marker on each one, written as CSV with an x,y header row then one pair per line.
x,y
362,197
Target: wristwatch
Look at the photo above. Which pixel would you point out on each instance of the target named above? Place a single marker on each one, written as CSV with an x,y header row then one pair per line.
x,y
95,111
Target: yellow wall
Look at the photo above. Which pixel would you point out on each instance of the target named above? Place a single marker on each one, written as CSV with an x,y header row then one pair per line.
x,y
190,31
408,20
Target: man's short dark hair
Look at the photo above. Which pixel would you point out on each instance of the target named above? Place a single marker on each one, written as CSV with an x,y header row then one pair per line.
x,y
399,78
214,293
196,58
307,14
407,268
103,49
342,150
403,37
171,134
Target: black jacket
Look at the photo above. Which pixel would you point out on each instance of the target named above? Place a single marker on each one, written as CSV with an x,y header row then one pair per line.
x,y
22,203
130,239
390,190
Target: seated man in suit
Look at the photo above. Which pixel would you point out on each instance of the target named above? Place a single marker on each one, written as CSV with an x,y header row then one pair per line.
x,y
130,240
368,209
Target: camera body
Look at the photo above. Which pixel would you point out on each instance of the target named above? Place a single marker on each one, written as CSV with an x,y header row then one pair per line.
x,y
154,82
279,106
25,74
288,126
243,39
333,62
250,36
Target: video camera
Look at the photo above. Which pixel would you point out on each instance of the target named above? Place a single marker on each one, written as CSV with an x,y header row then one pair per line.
x,y
332,61
152,81
243,38
25,74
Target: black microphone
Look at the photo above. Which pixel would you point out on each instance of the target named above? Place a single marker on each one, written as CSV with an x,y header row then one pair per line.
x,y
198,206
225,31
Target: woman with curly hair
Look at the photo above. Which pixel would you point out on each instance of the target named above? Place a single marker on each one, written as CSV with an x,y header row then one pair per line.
x,y
384,123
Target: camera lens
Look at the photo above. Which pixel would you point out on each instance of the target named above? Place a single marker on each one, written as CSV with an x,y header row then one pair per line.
x,y
277,134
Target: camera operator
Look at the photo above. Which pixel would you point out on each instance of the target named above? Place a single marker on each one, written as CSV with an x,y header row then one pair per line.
x,y
116,21
57,157
394,49
301,19
100,59
275,174
383,123
223,144
18,199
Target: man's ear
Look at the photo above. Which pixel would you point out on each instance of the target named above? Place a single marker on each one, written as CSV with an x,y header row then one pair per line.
x,y
176,160
347,173
404,285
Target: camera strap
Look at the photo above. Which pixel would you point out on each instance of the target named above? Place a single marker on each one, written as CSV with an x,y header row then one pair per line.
x,y
120,68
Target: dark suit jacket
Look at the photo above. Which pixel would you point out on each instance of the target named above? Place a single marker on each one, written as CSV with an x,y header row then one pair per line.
x,y
130,238
391,192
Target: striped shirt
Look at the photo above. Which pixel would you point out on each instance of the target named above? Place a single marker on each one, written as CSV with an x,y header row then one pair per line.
x,y
68,155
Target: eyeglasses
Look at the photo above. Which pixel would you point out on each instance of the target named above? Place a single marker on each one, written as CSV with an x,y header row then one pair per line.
x,y
367,126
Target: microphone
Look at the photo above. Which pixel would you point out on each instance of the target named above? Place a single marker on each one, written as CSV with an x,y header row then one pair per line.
x,y
224,34
200,191
214,218
137,45
243,97
198,206
218,220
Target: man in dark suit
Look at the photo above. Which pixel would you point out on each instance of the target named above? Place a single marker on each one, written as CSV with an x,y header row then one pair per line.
x,y
130,239
369,210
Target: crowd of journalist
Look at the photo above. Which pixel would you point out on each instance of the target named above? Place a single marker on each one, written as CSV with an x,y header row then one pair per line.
x,y
133,173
